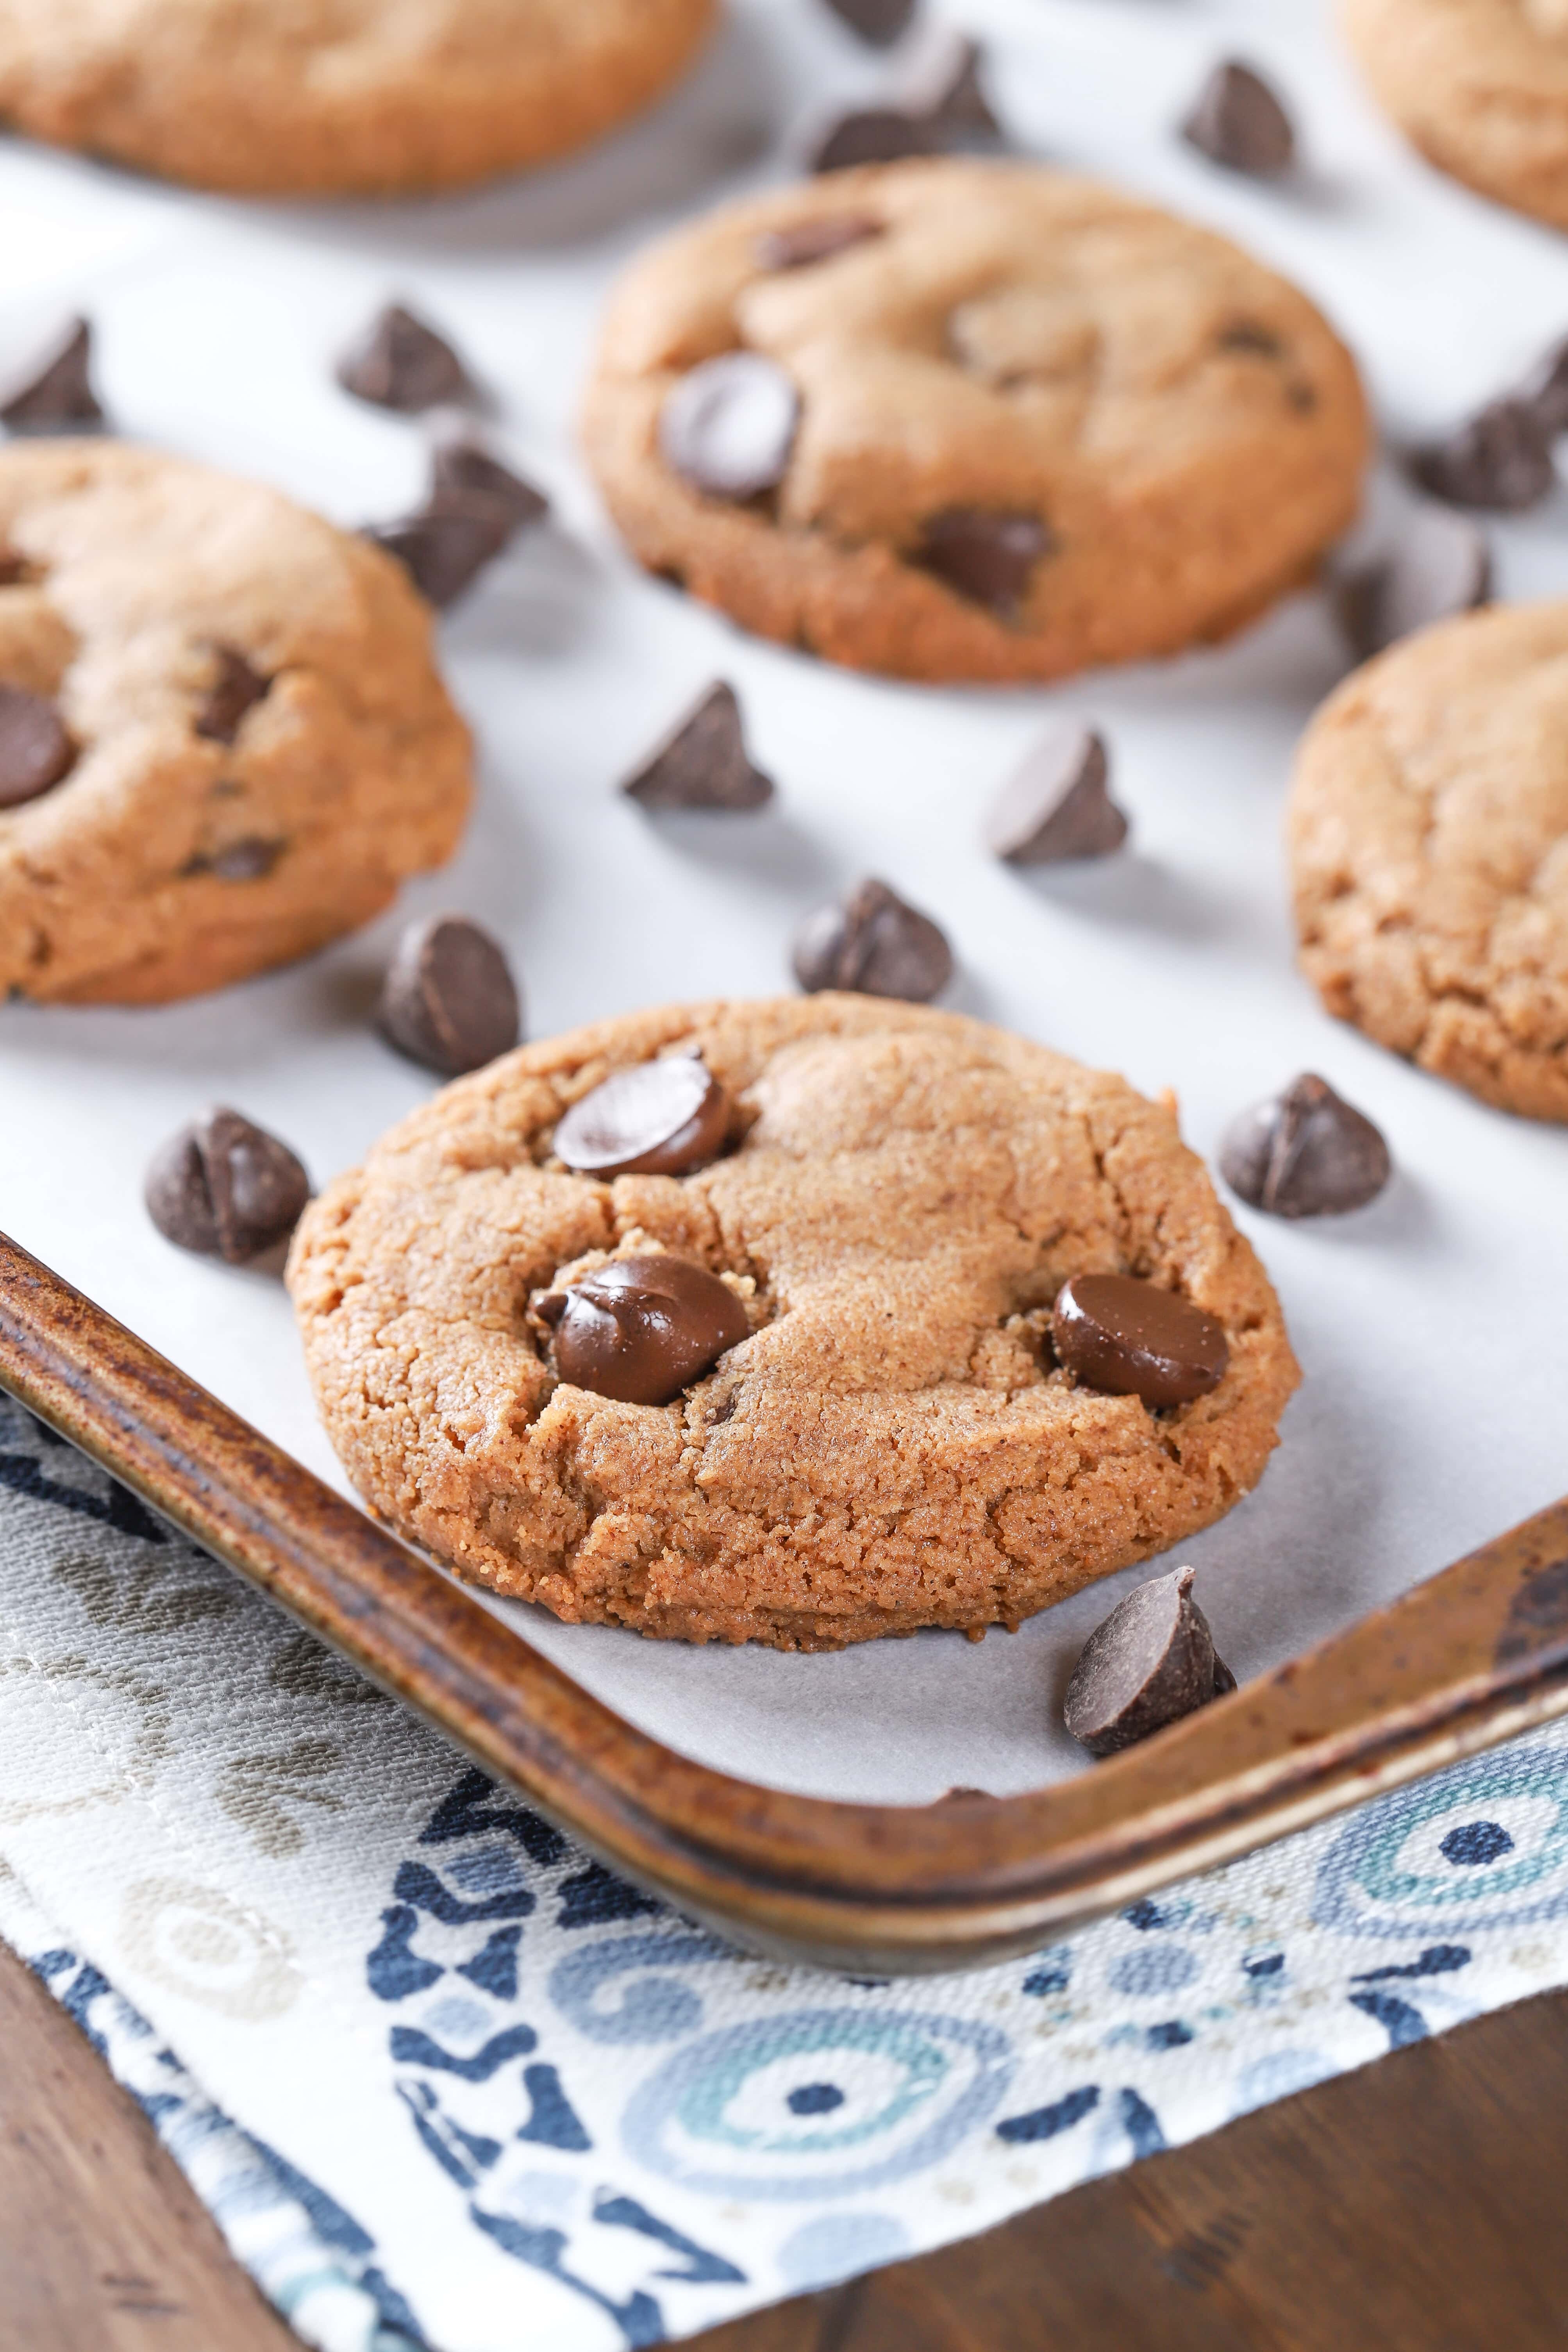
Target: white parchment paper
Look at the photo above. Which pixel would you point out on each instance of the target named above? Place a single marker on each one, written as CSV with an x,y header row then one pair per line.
x,y
1433,1328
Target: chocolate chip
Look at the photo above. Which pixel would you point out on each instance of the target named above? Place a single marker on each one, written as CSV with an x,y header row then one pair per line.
x,y
667,1117
1131,1339
1238,121
1501,459
447,543
35,752
941,87
986,555
729,426
640,1329
250,860
877,134
1058,806
462,461
1306,1152
874,943
1440,566
1248,335
703,762
225,1188
400,362
880,22
48,389
1152,1661
448,999
235,689
1545,388
809,241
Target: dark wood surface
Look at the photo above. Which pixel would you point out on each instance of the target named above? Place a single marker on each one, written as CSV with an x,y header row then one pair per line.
x,y
1414,2206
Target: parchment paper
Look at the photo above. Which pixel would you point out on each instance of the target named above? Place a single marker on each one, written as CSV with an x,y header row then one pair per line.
x,y
1432,1327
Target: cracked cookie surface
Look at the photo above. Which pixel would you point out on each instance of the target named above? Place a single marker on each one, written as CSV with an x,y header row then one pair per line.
x,y
904,1192
1481,87
1429,854
337,97
261,749
1174,429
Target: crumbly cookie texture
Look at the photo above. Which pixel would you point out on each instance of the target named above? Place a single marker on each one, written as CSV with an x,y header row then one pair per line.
x,y
1011,341
1481,87
893,1447
337,97
1429,852
172,860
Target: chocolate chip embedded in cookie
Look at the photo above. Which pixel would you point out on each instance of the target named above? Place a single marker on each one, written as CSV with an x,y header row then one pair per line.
x,y
223,739
337,97
1429,854
1131,437
792,1381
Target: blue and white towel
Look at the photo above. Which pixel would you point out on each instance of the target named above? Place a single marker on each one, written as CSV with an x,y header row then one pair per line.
x,y
445,2082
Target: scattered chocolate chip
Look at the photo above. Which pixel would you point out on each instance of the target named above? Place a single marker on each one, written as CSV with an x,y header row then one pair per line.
x,y
814,240
986,555
235,689
1238,121
1058,804
225,1188
400,362
35,752
876,134
667,1117
1306,1152
1152,1661
729,426
1131,1339
1545,389
941,87
447,545
250,860
1440,566
880,22
1501,459
875,943
640,1329
448,999
462,460
701,764
48,389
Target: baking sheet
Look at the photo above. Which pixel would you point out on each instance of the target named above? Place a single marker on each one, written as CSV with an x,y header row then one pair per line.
x,y
1431,1328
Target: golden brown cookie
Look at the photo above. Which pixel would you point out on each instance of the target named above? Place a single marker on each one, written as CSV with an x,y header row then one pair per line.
x,y
337,97
900,1197
223,736
1036,424
1429,849
1481,87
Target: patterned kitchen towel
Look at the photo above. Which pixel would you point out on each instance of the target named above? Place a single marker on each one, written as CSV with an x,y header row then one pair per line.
x,y
445,2082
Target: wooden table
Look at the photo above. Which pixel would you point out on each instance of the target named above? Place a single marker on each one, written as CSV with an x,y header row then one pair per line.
x,y
1414,2206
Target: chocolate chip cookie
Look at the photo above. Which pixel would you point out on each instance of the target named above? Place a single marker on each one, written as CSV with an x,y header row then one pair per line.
x,y
223,736
754,1322
953,419
1480,86
337,97
1429,848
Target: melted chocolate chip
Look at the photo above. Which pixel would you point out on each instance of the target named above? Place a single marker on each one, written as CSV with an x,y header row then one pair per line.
x,y
447,543
877,134
1238,121
250,860
987,556
225,1188
729,426
1058,806
809,241
48,389
35,752
667,1117
1152,1661
448,999
235,689
703,762
1248,335
640,1329
1500,459
1306,1152
880,22
1440,566
400,362
462,461
1128,1337
875,944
